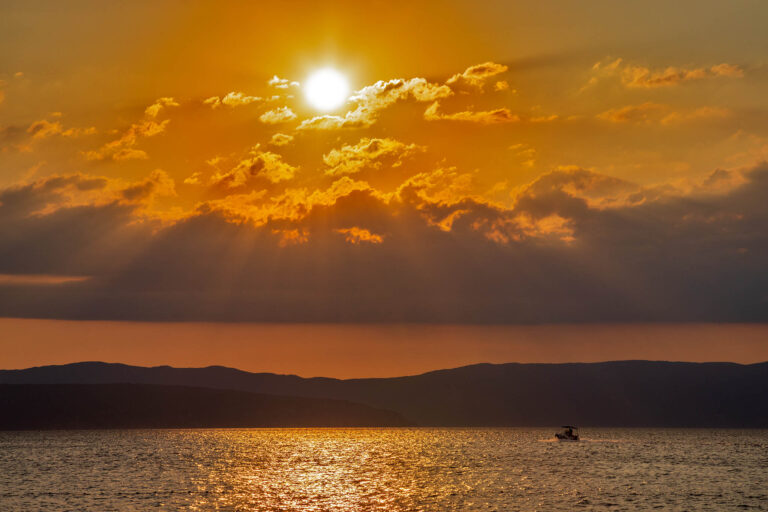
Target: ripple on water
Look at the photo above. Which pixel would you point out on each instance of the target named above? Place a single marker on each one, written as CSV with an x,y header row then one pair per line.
x,y
382,469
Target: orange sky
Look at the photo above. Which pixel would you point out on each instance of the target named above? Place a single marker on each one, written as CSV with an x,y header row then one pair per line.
x,y
496,163
349,351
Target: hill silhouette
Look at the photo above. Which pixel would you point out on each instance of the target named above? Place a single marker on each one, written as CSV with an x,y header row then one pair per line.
x,y
87,406
619,393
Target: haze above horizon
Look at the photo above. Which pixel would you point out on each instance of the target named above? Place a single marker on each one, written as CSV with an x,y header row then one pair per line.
x,y
359,351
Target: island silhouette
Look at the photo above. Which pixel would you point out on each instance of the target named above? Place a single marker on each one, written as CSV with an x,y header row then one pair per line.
x,y
611,394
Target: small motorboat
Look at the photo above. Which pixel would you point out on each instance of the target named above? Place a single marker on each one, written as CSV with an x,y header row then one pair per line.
x,y
569,433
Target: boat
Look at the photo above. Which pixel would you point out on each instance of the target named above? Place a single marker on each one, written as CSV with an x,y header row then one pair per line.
x,y
569,433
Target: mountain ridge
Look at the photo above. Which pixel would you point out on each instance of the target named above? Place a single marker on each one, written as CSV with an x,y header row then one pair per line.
x,y
610,393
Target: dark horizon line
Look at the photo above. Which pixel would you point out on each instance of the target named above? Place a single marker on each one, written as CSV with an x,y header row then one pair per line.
x,y
579,363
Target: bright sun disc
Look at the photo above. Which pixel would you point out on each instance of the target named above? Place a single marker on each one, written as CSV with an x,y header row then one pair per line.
x,y
326,89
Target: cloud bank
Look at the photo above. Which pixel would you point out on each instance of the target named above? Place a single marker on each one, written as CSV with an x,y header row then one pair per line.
x,y
575,246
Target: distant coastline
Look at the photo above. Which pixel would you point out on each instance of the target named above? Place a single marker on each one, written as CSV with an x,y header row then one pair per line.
x,y
127,406
609,394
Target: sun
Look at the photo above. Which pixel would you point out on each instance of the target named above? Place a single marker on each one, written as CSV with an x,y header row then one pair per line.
x,y
326,89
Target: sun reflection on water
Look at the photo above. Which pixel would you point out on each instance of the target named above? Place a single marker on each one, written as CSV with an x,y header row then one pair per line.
x,y
379,470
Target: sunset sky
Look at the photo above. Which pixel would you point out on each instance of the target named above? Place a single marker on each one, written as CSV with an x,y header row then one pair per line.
x,y
596,177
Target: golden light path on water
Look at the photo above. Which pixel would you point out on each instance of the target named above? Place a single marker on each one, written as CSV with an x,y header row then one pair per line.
x,y
382,470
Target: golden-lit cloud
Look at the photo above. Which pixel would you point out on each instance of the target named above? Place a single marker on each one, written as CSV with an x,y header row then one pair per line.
x,y
475,77
196,178
368,154
282,83
281,139
43,129
257,164
329,122
124,147
355,236
277,115
442,185
642,113
497,116
650,112
232,99
638,76
161,103
371,100
58,193
158,183
565,212
598,190
290,237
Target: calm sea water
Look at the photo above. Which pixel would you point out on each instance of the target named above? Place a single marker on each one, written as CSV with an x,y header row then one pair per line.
x,y
383,469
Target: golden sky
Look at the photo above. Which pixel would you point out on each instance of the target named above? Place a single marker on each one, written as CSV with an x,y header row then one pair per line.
x,y
494,162
358,351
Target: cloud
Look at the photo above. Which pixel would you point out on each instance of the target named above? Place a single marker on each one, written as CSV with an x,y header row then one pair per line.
x,y
277,116
157,184
371,100
442,185
636,76
196,178
43,129
642,113
281,139
72,225
355,236
282,83
500,115
501,85
649,112
597,190
639,76
475,77
330,122
18,138
124,147
576,246
696,114
232,99
544,119
368,154
256,165
39,279
160,104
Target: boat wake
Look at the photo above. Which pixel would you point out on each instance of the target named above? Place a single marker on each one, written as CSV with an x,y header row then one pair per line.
x,y
582,440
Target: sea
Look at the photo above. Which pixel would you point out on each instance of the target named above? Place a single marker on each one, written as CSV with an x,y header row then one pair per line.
x,y
387,469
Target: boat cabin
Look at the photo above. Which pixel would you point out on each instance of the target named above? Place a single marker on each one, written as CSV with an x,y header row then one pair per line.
x,y
569,433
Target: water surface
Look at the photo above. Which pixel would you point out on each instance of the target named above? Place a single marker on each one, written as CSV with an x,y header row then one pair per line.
x,y
383,469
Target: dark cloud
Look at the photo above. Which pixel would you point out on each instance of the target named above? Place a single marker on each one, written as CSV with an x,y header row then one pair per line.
x,y
558,255
47,228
